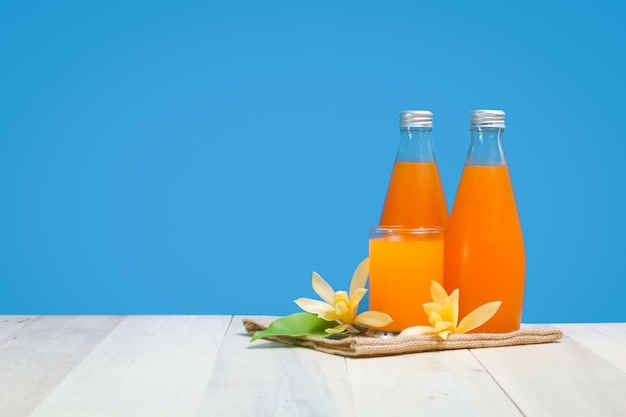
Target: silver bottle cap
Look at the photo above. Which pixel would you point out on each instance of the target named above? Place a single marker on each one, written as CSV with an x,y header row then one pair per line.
x,y
487,118
416,118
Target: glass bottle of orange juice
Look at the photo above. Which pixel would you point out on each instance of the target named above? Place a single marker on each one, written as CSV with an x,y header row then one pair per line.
x,y
415,195
484,253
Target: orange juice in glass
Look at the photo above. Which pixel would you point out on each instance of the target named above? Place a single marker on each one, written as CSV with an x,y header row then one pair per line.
x,y
403,261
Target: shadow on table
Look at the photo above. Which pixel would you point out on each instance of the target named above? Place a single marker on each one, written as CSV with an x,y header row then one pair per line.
x,y
269,344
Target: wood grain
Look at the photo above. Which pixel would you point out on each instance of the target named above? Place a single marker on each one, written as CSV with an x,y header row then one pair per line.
x,y
11,324
183,366
557,379
35,358
451,383
147,366
602,343
269,379
615,331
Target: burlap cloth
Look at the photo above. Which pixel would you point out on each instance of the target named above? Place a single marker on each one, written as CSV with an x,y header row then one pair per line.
x,y
369,346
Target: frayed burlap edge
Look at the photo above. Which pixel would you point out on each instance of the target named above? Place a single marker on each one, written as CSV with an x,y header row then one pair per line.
x,y
368,346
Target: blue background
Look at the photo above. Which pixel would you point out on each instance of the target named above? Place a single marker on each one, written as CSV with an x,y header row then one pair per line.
x,y
206,157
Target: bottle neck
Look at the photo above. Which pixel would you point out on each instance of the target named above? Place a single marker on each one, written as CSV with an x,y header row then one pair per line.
x,y
416,145
486,147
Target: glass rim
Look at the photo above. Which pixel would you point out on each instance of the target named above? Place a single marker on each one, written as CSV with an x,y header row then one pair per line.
x,y
407,230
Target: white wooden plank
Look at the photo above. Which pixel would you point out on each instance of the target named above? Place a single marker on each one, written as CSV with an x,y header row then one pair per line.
x,y
271,379
601,343
35,358
11,324
148,366
450,383
615,331
557,379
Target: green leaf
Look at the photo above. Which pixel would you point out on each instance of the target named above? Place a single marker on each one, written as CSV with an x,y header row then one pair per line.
x,y
298,324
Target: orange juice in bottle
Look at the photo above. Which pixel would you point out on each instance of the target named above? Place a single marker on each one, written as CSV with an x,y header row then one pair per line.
x,y
415,195
484,254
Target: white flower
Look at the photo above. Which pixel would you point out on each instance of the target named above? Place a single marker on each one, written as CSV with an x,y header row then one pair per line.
x,y
443,314
341,306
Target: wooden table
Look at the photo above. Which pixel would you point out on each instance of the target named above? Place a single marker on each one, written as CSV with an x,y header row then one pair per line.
x,y
205,366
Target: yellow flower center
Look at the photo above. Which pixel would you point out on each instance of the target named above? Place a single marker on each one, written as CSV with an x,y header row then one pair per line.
x,y
341,302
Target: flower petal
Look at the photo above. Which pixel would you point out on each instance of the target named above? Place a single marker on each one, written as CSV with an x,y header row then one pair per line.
x,y
478,317
444,335
344,313
438,293
356,297
452,307
314,306
341,297
359,277
329,315
418,331
430,307
337,329
434,317
373,318
323,289
440,326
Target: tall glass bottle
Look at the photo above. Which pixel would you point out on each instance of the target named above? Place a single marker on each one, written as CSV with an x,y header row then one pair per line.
x,y
415,195
484,249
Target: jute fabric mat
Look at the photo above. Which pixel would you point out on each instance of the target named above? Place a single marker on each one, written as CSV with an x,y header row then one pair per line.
x,y
370,346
